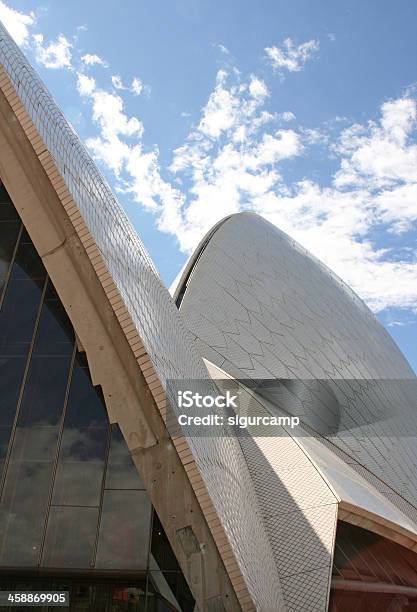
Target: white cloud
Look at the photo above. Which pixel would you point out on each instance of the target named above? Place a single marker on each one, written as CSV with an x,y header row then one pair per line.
x,y
85,85
287,116
55,55
17,24
223,49
221,109
117,82
258,88
398,206
108,114
225,158
232,160
228,159
91,59
136,86
290,56
334,226
401,323
380,154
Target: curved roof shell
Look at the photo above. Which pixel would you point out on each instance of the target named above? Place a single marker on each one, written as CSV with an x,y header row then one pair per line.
x,y
268,308
260,307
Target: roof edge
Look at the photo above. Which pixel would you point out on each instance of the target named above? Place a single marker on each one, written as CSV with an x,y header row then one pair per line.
x,y
179,286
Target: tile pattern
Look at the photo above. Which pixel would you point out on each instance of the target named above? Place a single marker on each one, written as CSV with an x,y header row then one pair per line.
x,y
299,512
296,586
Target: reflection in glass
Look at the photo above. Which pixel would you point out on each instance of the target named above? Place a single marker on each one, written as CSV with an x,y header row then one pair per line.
x,y
55,335
83,597
45,389
22,512
84,443
46,384
35,439
33,444
124,530
18,315
85,404
81,466
27,264
11,376
70,537
121,471
9,230
129,599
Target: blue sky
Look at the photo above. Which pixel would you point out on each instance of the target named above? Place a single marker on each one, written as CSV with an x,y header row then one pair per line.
x,y
304,112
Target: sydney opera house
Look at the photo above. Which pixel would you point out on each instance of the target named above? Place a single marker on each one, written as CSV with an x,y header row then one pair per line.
x,y
99,497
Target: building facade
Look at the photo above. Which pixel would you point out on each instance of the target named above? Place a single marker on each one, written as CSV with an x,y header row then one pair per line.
x,y
74,513
98,497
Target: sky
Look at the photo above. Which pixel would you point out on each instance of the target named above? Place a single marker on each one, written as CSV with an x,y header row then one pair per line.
x,y
304,112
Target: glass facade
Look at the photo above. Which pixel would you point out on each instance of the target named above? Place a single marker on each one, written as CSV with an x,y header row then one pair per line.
x,y
372,573
72,503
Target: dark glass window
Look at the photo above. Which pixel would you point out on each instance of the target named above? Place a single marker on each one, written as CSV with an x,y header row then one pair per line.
x,y
18,316
70,537
81,467
27,486
86,404
56,336
128,598
46,385
84,443
27,264
58,450
164,589
88,596
4,442
124,530
33,444
9,230
44,393
121,471
164,562
7,210
11,376
22,512
161,548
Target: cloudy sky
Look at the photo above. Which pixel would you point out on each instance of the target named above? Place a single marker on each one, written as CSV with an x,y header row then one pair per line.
x,y
304,112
